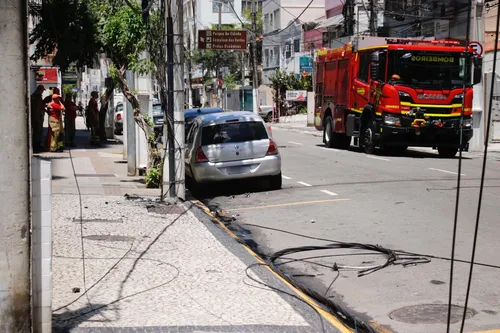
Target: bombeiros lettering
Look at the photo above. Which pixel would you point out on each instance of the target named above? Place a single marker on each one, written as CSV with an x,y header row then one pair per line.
x,y
429,58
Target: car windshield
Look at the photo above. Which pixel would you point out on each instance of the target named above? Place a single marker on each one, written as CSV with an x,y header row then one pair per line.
x,y
157,110
428,70
233,132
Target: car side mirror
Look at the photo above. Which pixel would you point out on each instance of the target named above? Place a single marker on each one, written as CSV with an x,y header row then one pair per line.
x,y
478,70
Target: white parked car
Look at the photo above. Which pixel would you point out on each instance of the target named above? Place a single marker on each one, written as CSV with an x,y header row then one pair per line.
x,y
231,145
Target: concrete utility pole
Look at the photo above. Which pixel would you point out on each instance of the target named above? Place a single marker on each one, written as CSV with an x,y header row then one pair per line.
x,y
15,303
373,19
175,116
130,123
254,58
349,17
219,88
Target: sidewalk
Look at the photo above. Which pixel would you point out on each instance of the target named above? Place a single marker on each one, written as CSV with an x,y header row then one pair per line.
x,y
155,267
297,123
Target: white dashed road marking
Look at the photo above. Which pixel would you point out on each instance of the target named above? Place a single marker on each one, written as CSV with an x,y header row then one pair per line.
x,y
378,158
446,171
295,143
305,184
326,148
285,177
328,192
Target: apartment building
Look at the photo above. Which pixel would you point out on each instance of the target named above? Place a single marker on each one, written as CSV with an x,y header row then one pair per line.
x,y
282,25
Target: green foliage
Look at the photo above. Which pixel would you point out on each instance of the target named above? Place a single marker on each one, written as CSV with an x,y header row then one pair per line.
x,y
247,20
230,81
67,89
67,27
153,177
281,81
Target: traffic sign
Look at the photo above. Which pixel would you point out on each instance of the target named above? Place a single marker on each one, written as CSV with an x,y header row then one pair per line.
x,y
477,48
223,40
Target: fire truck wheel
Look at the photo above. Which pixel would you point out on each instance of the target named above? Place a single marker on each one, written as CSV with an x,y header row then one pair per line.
x,y
369,136
447,152
328,135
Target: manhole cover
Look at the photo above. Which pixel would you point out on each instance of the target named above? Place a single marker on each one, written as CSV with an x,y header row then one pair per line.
x,y
110,238
430,314
166,209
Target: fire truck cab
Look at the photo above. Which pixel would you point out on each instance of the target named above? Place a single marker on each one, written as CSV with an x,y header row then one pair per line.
x,y
390,94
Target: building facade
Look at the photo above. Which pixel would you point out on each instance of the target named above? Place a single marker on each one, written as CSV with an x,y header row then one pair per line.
x,y
283,41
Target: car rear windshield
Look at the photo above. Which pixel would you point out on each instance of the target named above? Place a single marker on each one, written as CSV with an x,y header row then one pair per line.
x,y
233,132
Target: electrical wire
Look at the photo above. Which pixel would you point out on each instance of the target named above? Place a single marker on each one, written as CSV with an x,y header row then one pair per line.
x,y
483,173
459,175
291,23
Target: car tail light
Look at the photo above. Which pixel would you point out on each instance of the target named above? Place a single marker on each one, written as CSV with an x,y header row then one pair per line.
x,y
200,156
269,128
273,148
118,117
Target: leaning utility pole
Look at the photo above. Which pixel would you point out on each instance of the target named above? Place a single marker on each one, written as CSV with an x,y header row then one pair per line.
x,y
175,114
349,17
255,84
15,299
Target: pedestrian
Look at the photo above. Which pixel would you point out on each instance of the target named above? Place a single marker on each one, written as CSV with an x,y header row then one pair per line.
x,y
93,118
69,120
37,117
55,109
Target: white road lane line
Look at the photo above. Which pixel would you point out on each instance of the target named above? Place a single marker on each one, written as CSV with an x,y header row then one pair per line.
x,y
295,143
325,148
285,177
446,171
328,192
305,184
378,158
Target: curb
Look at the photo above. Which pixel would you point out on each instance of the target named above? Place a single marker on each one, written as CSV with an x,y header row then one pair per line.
x,y
332,319
298,130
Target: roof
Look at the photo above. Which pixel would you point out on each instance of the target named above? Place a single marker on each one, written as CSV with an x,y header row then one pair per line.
x,y
335,20
220,118
192,113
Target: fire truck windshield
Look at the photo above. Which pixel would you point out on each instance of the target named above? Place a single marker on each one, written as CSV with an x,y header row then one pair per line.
x,y
427,70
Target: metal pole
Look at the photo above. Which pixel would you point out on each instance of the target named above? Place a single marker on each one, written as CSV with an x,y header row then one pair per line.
x,y
219,4
254,58
131,141
219,88
373,19
357,22
242,81
15,181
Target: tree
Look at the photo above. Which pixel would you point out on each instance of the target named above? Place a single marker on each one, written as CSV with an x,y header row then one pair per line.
x,y
79,30
281,81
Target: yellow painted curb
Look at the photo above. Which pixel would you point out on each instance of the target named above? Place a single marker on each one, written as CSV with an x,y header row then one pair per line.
x,y
327,315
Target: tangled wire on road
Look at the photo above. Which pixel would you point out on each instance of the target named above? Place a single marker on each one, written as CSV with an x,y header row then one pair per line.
x,y
344,315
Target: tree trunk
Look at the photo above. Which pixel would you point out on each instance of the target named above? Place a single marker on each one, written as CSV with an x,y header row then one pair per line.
x,y
153,154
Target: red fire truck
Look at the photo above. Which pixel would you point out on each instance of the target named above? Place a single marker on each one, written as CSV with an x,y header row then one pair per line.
x,y
389,94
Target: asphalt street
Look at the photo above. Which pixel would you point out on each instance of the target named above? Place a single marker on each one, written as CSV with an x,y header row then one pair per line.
x,y
399,202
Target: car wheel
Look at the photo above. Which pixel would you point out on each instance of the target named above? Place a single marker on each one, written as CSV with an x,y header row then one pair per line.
x,y
275,182
269,117
195,188
369,144
447,152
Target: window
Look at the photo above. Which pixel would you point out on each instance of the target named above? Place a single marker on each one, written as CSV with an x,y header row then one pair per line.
x,y
226,6
191,130
288,51
266,57
266,22
276,19
382,61
363,67
296,45
233,132
271,22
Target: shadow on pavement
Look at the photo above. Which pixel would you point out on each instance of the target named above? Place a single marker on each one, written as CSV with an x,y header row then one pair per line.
x,y
66,321
232,188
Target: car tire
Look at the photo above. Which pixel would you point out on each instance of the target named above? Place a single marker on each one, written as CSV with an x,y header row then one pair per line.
x,y
194,187
369,130
446,152
269,117
275,182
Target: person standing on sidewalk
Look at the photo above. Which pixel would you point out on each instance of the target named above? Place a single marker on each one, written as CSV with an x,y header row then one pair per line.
x,y
93,119
37,116
56,109
69,120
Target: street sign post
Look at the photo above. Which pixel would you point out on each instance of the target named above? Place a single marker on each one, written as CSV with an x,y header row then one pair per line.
x,y
477,47
222,40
